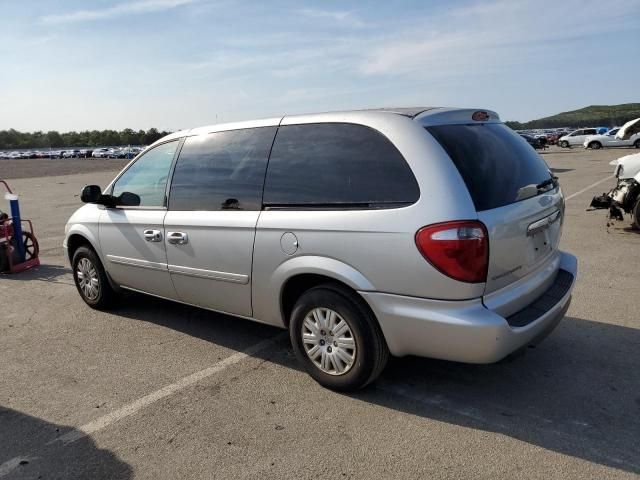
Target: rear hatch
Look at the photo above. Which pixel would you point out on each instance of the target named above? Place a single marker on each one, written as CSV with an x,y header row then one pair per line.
x,y
515,195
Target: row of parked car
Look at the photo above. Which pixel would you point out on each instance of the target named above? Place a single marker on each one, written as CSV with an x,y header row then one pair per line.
x,y
589,138
539,139
593,138
104,152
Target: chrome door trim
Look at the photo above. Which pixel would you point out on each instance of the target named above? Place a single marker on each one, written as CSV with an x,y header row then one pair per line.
x,y
209,274
136,262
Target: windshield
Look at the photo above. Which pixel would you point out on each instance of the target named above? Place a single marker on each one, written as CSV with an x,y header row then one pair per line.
x,y
498,167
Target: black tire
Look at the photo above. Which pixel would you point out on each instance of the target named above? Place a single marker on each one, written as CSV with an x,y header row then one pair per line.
x,y
564,144
106,296
637,144
371,351
595,145
635,212
4,260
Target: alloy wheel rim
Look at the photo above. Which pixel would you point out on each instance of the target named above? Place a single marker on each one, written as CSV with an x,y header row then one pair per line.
x,y
88,279
328,341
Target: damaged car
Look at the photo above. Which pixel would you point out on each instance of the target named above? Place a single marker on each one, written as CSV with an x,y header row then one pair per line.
x,y
625,197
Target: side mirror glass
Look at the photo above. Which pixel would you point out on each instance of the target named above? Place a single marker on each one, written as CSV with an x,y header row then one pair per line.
x,y
128,199
91,193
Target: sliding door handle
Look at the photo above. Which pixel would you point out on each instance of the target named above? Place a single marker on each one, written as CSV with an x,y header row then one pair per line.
x,y
177,238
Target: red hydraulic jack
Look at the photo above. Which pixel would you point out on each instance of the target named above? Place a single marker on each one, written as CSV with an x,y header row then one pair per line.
x,y
18,245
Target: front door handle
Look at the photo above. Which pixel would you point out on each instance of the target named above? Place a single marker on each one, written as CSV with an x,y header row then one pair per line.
x,y
152,235
177,238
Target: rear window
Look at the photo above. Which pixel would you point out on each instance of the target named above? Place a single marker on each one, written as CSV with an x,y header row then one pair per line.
x,y
497,165
337,165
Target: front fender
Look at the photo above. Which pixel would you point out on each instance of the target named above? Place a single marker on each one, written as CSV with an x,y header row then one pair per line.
x,y
87,234
85,222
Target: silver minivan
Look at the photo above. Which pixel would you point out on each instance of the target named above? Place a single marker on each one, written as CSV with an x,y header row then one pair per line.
x,y
425,231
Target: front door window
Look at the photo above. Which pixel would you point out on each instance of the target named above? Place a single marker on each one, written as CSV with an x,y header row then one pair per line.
x,y
147,177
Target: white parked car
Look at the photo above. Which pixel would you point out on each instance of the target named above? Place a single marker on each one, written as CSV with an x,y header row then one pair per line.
x,y
577,137
609,140
100,153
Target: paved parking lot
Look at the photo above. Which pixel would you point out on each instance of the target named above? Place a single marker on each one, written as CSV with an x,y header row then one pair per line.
x,y
161,390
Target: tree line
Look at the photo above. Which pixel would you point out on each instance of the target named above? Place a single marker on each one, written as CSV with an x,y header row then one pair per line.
x,y
591,116
13,139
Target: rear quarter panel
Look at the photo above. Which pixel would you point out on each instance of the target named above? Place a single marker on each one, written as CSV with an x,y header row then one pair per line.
x,y
370,250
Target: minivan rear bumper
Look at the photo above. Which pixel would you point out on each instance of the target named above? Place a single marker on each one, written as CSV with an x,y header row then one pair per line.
x,y
467,331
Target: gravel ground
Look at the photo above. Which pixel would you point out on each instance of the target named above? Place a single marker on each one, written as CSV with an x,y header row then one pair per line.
x,y
162,390
35,168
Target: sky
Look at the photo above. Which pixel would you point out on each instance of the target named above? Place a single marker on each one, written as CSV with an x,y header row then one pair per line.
x,y
173,64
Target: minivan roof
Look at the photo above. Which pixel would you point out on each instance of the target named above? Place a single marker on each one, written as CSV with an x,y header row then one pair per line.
x,y
426,116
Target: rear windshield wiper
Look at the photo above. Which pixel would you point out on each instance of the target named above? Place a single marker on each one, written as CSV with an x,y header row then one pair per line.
x,y
532,190
550,181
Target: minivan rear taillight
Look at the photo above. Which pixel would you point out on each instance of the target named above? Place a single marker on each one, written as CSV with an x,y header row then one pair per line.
x,y
458,249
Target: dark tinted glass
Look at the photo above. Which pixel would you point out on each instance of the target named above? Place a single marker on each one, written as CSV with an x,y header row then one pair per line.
x,y
222,171
337,164
494,162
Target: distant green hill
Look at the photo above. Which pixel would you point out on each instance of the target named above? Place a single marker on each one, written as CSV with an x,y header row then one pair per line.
x,y
595,115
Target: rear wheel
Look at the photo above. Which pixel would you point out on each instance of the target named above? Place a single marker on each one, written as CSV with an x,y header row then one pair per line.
x,y
337,339
595,145
564,144
637,144
91,279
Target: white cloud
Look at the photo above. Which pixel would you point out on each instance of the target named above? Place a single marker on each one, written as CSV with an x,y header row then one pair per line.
x,y
492,34
121,9
344,18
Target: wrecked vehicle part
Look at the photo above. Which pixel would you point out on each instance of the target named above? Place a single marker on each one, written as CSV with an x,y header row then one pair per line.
x,y
600,202
624,197
625,194
615,213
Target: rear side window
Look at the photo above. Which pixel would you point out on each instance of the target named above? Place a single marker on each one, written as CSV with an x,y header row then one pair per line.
x,y
497,166
222,170
337,165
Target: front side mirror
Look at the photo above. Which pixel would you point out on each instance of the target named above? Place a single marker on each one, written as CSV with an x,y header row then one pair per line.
x,y
91,193
128,199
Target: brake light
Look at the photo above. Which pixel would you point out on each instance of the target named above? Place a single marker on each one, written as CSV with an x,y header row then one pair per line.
x,y
458,249
480,116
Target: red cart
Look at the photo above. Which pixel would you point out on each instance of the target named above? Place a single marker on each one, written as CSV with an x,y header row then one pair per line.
x,y
15,255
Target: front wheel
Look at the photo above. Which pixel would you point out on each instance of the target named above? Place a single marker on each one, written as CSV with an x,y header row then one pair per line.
x,y
91,279
595,145
337,339
637,144
564,144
